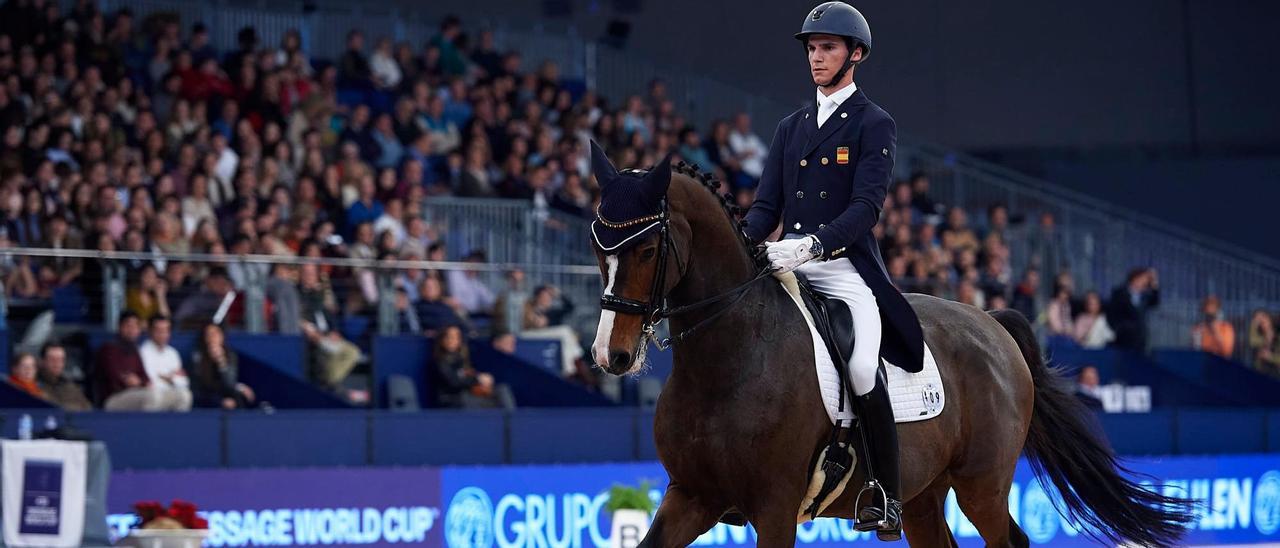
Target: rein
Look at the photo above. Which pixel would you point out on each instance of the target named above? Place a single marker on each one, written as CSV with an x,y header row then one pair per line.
x,y
656,310
738,293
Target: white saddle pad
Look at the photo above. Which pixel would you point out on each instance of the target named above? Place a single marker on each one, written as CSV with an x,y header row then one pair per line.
x,y
915,396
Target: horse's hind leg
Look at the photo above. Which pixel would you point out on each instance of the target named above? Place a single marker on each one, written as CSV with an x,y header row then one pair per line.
x,y
679,521
924,518
985,501
777,530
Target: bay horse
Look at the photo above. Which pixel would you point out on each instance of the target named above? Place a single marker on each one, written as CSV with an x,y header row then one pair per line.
x,y
740,421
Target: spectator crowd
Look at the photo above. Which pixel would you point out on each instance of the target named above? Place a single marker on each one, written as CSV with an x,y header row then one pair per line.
x,y
135,375
123,132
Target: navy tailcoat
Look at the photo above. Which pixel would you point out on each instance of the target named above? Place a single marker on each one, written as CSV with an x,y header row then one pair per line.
x,y
831,182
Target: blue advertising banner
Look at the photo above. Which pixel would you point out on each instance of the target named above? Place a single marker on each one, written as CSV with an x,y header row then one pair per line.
x,y
303,507
555,506
563,506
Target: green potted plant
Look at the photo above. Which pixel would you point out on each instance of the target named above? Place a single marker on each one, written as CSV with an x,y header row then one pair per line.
x,y
630,508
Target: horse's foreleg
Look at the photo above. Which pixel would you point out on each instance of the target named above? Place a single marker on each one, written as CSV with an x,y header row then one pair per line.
x,y
680,520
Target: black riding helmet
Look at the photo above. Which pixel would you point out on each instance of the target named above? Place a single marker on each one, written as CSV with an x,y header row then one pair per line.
x,y
839,19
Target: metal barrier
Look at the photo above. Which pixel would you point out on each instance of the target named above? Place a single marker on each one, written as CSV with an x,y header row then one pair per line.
x,y
82,302
615,74
1102,242
509,231
323,30
619,74
223,18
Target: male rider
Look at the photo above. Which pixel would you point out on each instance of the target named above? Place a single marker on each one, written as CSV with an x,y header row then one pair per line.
x,y
825,179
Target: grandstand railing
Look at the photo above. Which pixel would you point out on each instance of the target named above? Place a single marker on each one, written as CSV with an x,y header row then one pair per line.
x,y
510,230
323,30
580,283
1101,242
617,74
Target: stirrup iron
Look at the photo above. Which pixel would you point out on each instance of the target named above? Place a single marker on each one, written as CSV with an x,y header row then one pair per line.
x,y
872,485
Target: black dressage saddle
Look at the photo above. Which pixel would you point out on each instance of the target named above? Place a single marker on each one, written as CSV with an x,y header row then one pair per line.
x,y
832,318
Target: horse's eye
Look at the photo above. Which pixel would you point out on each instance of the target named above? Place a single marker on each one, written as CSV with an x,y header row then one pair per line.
x,y
648,253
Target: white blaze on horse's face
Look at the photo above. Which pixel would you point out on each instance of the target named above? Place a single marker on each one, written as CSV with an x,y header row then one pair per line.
x,y
600,348
619,347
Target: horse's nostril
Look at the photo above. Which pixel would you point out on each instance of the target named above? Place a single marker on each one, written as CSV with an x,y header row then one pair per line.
x,y
619,360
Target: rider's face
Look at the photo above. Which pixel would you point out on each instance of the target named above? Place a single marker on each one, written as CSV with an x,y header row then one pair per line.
x,y
827,53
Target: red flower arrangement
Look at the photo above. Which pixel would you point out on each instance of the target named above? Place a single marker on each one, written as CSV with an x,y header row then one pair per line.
x,y
179,515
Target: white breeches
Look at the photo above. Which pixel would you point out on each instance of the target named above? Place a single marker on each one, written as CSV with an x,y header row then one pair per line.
x,y
839,279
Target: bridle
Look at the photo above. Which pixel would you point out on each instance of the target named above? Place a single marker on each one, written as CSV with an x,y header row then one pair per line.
x,y
655,309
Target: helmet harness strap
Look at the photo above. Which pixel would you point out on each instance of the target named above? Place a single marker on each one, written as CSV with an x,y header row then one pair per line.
x,y
848,64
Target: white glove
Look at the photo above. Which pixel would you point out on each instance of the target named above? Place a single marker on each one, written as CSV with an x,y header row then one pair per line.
x,y
788,255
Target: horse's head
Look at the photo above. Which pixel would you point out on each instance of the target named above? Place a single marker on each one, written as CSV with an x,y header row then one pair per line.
x,y
634,236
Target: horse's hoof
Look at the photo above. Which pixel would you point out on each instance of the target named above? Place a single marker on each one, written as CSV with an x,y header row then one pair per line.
x,y
893,535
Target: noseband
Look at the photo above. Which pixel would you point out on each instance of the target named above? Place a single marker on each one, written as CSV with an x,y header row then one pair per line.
x,y
655,309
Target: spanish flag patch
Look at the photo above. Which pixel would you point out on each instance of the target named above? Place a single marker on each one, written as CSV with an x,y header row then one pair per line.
x,y
842,155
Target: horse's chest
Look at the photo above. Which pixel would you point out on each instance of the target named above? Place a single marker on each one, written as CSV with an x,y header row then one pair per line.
x,y
703,435
691,446
683,419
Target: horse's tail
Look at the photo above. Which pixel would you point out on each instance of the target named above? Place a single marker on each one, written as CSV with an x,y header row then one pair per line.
x,y
1065,448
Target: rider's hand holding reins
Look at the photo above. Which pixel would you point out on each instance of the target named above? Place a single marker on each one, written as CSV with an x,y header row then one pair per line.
x,y
788,255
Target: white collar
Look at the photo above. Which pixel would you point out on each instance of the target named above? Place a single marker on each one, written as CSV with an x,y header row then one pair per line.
x,y
839,96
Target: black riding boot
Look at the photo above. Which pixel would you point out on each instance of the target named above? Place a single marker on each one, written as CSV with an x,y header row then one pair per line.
x,y
881,434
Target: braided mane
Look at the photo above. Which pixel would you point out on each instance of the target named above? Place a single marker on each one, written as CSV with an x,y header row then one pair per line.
x,y
731,210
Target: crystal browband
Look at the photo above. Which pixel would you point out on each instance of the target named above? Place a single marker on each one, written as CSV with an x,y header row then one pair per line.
x,y
626,224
